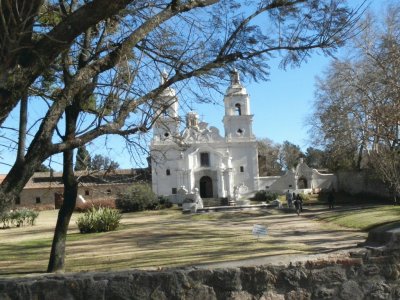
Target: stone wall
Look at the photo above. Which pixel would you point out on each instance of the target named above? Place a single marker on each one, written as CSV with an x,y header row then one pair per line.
x,y
356,182
32,197
356,277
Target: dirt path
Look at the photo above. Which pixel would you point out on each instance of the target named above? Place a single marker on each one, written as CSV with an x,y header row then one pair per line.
x,y
323,240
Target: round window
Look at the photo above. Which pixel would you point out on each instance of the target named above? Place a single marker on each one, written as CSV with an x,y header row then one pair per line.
x,y
166,134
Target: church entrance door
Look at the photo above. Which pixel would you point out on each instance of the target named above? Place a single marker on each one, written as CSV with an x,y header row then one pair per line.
x,y
206,187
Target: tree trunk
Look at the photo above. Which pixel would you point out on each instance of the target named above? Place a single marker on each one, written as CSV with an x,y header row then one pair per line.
x,y
23,119
360,157
13,192
57,254
20,174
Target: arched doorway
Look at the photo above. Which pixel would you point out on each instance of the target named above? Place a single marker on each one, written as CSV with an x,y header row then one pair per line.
x,y
206,187
302,183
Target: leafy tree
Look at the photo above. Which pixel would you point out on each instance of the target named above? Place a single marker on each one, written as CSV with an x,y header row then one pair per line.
x,y
96,65
290,155
357,109
315,158
83,159
100,162
339,121
138,197
268,160
386,164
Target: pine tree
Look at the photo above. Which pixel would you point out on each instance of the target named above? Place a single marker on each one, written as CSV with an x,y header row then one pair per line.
x,y
83,159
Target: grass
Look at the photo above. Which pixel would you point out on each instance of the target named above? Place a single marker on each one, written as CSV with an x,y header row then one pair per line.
x,y
145,240
365,219
167,238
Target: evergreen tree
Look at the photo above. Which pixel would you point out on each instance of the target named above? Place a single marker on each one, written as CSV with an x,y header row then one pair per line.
x,y
83,159
289,155
103,163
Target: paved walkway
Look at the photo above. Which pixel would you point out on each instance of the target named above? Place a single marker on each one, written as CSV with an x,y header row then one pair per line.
x,y
323,241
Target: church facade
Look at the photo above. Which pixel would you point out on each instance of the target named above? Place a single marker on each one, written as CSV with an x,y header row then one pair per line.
x,y
200,159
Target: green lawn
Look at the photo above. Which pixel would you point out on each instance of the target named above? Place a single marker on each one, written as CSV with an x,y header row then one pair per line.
x,y
365,219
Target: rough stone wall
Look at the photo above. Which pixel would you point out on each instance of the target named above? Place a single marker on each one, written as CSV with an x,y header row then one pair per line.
x,y
345,277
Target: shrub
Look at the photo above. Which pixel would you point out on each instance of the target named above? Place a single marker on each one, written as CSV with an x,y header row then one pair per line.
x,y
163,202
137,198
263,195
18,218
305,197
100,219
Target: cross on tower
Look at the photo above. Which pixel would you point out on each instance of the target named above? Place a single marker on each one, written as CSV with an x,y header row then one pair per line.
x,y
235,79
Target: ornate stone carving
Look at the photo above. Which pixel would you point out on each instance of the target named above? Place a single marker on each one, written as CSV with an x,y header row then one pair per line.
x,y
202,134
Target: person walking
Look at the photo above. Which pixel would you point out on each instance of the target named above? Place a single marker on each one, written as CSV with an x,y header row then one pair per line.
x,y
297,205
300,200
289,198
331,200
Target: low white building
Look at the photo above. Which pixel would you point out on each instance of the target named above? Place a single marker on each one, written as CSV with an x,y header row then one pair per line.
x,y
303,179
199,157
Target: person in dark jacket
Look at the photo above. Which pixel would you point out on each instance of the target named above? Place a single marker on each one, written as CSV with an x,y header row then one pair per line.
x,y
331,200
300,201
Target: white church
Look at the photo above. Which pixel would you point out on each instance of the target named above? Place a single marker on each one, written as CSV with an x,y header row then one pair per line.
x,y
199,157
199,160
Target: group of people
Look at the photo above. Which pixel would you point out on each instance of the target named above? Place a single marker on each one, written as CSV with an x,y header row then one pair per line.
x,y
296,200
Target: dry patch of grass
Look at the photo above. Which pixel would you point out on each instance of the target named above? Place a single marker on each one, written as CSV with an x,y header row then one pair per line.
x,y
168,238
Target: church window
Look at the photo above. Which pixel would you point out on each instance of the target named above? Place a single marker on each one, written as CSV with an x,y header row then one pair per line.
x,y
238,109
241,169
166,134
168,172
205,159
239,131
174,191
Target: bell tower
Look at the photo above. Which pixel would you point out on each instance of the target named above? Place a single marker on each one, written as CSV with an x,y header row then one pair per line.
x,y
166,108
237,120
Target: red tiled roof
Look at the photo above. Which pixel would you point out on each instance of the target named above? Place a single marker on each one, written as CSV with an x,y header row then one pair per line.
x,y
41,180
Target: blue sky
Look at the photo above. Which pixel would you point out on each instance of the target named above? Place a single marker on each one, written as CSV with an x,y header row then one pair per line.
x,y
281,104
280,107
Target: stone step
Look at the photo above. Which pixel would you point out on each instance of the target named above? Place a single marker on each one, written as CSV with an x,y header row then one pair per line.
x,y
211,201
